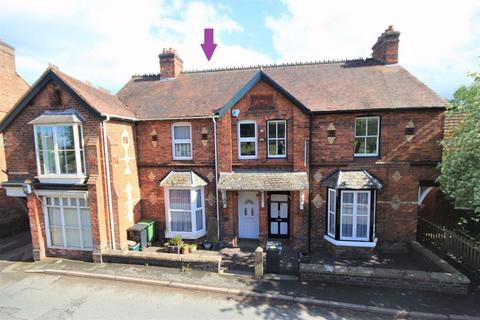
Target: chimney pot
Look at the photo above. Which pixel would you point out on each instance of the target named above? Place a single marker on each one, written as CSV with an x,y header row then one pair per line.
x,y
385,49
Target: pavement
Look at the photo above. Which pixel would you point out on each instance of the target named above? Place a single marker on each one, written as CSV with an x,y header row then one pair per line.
x,y
283,290
41,297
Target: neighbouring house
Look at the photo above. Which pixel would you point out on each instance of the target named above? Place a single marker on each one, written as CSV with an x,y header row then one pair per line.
x,y
320,154
13,217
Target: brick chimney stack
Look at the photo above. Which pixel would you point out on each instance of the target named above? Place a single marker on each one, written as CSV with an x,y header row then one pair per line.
x,y
170,63
386,48
7,58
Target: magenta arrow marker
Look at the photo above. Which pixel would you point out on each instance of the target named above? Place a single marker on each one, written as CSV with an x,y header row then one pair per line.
x,y
208,45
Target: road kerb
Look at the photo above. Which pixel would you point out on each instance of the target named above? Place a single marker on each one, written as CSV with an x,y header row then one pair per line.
x,y
248,293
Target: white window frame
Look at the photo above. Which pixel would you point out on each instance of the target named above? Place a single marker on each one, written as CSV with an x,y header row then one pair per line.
x,y
181,141
249,139
333,213
194,234
276,139
67,195
375,154
354,215
58,177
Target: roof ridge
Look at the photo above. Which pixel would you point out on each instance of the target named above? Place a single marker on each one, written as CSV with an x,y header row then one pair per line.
x,y
157,76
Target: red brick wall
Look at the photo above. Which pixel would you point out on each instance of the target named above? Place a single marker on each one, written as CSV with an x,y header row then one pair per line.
x,y
401,165
155,161
124,178
21,162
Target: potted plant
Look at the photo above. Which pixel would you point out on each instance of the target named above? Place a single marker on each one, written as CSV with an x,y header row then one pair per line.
x,y
185,249
192,247
174,244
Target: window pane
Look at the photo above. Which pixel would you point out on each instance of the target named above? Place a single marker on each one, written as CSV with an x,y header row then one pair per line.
x,y
73,237
331,223
54,217
362,226
68,164
281,129
199,219
247,148
181,132
181,221
360,126
272,130
49,158
247,130
360,145
65,139
179,199
87,238
56,236
373,126
85,217
281,147
347,197
199,198
182,150
347,226
331,201
272,147
371,145
70,217
47,138
82,202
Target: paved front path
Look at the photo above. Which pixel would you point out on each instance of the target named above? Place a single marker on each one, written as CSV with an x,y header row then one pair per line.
x,y
33,296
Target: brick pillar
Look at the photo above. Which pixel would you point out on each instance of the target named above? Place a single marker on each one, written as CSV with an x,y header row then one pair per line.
x,y
37,227
262,216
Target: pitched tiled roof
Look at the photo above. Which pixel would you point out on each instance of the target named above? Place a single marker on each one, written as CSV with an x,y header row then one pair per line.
x,y
185,179
268,181
357,180
348,85
104,102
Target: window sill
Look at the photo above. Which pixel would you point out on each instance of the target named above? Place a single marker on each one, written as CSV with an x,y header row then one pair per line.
x,y
365,155
350,243
58,179
186,235
69,249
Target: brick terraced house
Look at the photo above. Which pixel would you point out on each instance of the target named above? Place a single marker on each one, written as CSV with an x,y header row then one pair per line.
x,y
320,154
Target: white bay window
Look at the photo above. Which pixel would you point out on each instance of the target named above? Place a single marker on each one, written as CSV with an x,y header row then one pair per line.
x,y
60,153
185,212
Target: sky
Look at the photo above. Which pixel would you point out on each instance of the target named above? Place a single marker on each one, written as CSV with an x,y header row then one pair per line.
x,y
107,41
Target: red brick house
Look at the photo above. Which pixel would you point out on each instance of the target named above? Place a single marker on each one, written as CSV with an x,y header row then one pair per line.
x,y
320,153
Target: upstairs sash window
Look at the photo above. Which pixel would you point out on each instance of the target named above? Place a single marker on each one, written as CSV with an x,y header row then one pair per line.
x,y
182,141
367,136
247,140
277,139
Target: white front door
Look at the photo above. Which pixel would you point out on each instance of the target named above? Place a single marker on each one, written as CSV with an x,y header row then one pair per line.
x,y
248,218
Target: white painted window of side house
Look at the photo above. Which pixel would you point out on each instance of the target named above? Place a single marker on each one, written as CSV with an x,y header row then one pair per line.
x,y
277,138
185,208
367,132
247,139
355,215
67,222
59,150
182,141
332,212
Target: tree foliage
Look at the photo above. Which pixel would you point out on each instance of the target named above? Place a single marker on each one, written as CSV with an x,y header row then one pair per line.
x,y
460,167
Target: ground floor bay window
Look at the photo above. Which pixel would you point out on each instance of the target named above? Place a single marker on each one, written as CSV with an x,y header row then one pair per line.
x,y
351,208
184,205
185,210
67,222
